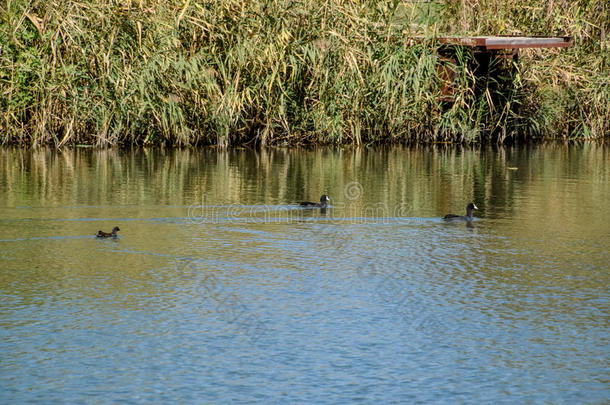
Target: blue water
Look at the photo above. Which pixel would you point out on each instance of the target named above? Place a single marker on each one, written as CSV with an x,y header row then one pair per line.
x,y
226,299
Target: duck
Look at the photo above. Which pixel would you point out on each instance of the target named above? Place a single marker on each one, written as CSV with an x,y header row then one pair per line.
x,y
322,204
468,217
101,234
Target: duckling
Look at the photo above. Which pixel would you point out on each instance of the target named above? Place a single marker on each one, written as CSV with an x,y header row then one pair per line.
x,y
113,234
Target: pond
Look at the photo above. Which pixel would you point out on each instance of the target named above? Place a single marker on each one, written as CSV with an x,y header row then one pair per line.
x,y
220,289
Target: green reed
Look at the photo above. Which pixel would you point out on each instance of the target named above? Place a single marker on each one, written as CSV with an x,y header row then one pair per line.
x,y
289,72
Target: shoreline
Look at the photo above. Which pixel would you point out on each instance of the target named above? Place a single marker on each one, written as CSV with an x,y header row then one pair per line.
x,y
313,146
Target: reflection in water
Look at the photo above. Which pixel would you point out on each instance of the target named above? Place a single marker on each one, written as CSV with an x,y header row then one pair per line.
x,y
223,285
430,179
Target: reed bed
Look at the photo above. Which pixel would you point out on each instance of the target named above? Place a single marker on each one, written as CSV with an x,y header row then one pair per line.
x,y
228,72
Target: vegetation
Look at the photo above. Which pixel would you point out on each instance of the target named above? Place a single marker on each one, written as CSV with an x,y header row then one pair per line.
x,y
194,72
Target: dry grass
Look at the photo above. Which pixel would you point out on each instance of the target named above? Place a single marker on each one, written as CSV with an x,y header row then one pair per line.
x,y
287,72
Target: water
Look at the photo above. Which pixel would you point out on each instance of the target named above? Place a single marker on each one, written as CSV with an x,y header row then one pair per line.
x,y
220,289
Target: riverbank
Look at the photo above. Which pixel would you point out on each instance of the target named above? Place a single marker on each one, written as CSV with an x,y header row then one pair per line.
x,y
292,73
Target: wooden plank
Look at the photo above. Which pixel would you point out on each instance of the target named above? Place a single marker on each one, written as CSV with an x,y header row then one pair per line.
x,y
507,42
526,42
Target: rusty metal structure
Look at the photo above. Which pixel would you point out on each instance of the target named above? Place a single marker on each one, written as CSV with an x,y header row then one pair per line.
x,y
485,53
499,45
509,42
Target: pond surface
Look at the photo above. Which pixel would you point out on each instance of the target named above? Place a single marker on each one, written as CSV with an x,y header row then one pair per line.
x,y
220,289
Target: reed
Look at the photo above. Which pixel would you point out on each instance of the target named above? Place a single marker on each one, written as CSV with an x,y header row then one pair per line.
x,y
230,72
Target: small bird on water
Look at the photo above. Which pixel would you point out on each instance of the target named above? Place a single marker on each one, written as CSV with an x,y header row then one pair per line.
x,y
467,217
101,234
322,204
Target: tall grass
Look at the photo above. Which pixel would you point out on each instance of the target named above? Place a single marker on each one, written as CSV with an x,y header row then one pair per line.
x,y
558,93
289,72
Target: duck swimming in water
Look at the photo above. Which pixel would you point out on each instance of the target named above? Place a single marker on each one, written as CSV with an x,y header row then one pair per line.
x,y
101,234
467,217
322,204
